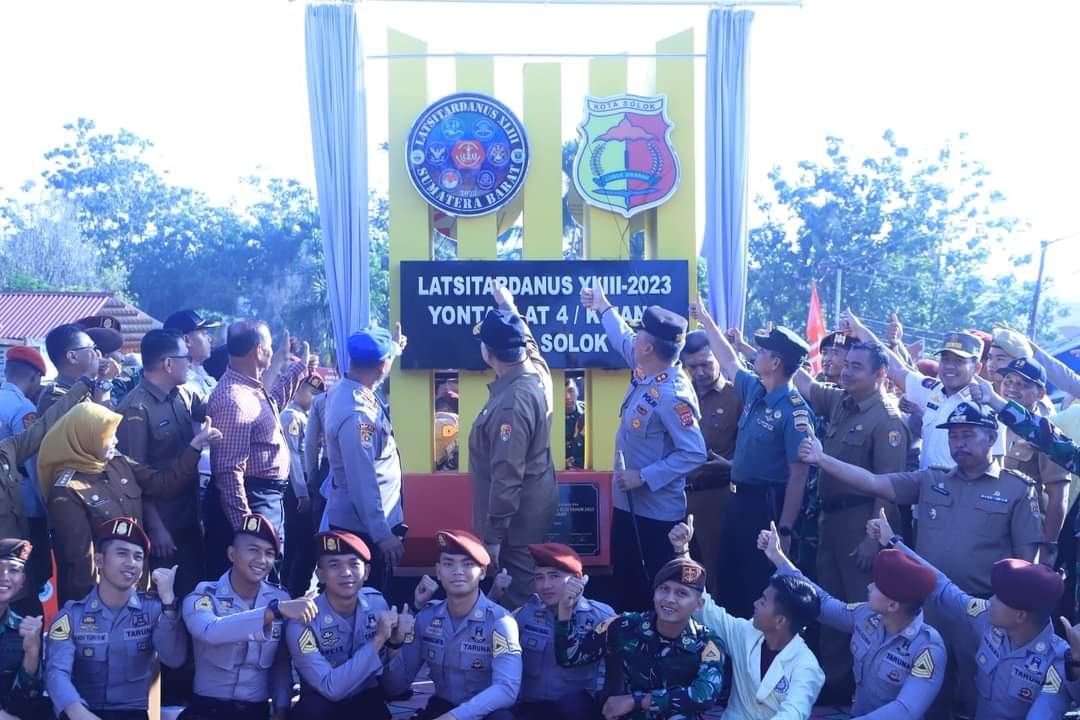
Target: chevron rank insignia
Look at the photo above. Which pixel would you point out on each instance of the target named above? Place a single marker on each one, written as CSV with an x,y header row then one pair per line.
x,y
61,629
711,653
499,644
1052,684
923,667
977,606
307,643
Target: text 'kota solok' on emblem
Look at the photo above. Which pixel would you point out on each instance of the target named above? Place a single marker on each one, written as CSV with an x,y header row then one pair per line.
x,y
625,161
467,154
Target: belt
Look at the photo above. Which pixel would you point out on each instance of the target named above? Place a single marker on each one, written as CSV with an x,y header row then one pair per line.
x,y
752,489
844,502
266,483
239,708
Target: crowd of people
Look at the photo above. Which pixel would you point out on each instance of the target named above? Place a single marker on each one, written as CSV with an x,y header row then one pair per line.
x,y
894,534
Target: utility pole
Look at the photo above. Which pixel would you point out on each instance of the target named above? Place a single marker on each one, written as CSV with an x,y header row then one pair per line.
x,y
1033,318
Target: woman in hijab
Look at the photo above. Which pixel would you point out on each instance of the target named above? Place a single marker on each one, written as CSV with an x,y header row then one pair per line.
x,y
87,482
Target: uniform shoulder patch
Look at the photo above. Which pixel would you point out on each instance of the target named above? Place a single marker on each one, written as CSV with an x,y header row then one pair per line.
x,y
929,383
923,667
307,642
367,433
499,644
977,606
61,628
204,603
65,478
602,627
711,653
894,438
294,427
686,414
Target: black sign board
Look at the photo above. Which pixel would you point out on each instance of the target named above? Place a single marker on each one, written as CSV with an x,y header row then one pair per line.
x,y
577,520
442,301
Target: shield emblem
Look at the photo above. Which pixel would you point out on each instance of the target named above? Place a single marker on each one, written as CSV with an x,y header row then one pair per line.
x,y
625,161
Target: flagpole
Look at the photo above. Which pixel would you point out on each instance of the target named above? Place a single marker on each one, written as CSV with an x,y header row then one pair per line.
x,y
839,284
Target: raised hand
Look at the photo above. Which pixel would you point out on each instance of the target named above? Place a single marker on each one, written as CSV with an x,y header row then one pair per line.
x,y
309,358
30,632
386,623
392,548
501,583
502,296
281,354
398,337
1072,635
301,609
879,528
164,579
593,297
680,535
770,543
810,450
572,592
894,331
207,435
983,393
425,590
852,326
406,625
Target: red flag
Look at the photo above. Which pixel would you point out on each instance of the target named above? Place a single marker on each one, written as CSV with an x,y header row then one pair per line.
x,y
815,329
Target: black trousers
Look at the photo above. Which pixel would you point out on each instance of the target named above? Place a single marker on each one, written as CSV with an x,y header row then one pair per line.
x,y
367,705
115,714
744,571
575,706
633,584
204,708
299,562
38,568
265,497
437,706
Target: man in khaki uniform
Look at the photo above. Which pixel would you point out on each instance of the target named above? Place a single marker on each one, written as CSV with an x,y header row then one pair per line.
x,y
863,427
513,477
969,518
1024,380
707,487
158,424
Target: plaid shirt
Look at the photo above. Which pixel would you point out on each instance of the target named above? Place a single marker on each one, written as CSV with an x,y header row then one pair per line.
x,y
252,444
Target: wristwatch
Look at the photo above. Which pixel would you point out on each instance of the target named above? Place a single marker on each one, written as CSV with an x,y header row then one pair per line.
x,y
173,606
784,531
638,698
1070,662
393,645
273,608
894,541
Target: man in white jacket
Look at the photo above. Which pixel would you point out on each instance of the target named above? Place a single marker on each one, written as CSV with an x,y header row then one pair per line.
x,y
774,673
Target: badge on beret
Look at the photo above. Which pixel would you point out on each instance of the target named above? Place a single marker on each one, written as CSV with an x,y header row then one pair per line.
x,y
923,667
690,574
711,653
504,432
330,544
1052,683
252,525
977,606
307,643
441,540
61,629
894,438
204,603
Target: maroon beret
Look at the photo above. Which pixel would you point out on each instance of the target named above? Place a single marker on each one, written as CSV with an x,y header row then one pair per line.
x,y
123,528
1026,586
463,542
558,556
339,542
258,526
28,355
685,572
902,578
15,549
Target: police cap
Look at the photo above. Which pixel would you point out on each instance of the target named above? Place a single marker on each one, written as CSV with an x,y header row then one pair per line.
x,y
122,528
339,542
970,414
784,343
558,556
15,549
1028,368
501,330
463,542
370,346
258,526
964,344
663,324
683,571
185,321
902,578
1026,586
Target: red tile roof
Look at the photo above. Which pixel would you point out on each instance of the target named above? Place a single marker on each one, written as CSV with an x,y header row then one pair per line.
x,y
30,315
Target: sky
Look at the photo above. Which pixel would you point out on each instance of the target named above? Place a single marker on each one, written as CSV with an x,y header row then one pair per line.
x,y
220,87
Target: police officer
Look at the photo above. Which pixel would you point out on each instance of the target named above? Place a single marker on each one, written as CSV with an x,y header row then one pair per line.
x,y
1020,661
196,333
768,479
969,518
338,654
365,467
108,337
23,369
862,426
672,666
899,659
101,649
299,528
547,689
21,683
1024,381
658,439
513,477
575,427
157,426
469,644
237,627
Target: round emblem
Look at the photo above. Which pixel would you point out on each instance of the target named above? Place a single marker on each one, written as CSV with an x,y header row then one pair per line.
x,y
467,154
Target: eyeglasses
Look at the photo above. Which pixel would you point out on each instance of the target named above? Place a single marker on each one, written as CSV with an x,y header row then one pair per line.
x,y
84,347
186,358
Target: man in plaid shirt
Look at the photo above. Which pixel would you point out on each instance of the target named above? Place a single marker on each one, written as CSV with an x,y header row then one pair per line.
x,y
250,465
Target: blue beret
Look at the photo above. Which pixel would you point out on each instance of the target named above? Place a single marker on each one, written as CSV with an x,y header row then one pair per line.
x,y
370,346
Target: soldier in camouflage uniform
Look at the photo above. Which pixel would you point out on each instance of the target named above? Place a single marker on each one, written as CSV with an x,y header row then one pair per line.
x,y
672,666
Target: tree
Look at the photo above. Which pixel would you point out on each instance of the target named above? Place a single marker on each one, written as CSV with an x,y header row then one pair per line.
x,y
907,234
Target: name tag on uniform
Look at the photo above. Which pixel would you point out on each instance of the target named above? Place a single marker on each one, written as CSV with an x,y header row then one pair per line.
x,y
163,423
90,637
136,633
940,489
767,426
995,498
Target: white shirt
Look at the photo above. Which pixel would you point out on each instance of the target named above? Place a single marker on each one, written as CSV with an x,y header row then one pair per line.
x,y
791,684
200,383
929,394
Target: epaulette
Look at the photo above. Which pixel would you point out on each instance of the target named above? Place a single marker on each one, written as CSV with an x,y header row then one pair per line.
x,y
65,478
1028,480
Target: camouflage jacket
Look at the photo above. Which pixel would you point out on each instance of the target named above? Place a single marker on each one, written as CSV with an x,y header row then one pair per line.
x,y
1042,433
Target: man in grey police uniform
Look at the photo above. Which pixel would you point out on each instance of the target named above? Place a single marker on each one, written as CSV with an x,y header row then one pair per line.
x,y
299,524
100,650
339,653
659,439
899,660
469,643
768,478
365,468
237,628
549,690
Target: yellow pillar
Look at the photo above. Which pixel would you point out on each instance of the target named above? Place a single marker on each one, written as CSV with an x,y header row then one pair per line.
x,y
606,238
476,240
410,239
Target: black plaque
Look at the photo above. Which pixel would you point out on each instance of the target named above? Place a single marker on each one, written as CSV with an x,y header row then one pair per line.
x,y
577,520
442,301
